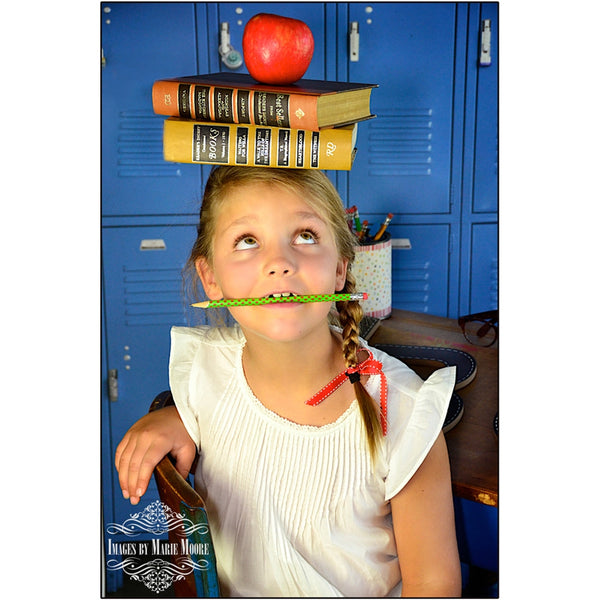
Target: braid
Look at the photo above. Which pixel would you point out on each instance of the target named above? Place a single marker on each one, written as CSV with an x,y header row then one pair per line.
x,y
350,314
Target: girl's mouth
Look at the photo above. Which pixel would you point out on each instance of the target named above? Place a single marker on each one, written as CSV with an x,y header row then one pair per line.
x,y
281,295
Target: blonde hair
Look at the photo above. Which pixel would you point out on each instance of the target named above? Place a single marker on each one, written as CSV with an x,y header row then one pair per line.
x,y
315,188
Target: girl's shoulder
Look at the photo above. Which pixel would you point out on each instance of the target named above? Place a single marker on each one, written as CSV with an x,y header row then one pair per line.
x,y
205,344
201,364
406,387
416,410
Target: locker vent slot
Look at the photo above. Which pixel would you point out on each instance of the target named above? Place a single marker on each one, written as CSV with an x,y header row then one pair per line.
x,y
153,297
140,150
494,283
400,142
410,284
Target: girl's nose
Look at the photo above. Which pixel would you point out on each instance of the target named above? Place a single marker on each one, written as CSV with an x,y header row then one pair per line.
x,y
279,264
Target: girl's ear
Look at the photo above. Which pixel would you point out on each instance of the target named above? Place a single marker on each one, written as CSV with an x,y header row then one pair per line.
x,y
207,277
340,274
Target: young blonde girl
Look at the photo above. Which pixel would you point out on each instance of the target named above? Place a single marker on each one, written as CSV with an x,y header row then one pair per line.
x,y
322,461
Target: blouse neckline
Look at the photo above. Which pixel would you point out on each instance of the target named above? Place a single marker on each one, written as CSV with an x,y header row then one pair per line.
x,y
351,411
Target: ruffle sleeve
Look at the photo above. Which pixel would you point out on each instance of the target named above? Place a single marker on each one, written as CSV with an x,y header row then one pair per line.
x,y
201,364
416,413
185,342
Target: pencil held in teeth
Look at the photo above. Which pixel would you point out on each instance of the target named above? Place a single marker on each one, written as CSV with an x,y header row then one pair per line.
x,y
281,298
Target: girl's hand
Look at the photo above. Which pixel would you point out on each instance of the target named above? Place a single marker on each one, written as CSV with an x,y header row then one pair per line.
x,y
146,443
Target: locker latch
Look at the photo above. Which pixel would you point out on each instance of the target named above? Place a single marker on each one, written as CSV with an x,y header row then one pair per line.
x,y
485,55
354,41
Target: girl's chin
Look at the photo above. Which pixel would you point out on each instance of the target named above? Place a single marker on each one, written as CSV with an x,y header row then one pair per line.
x,y
279,326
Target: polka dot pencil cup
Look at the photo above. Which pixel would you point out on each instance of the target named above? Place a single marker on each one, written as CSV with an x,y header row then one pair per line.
x,y
373,272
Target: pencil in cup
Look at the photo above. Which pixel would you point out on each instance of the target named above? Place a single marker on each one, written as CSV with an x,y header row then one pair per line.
x,y
383,227
281,299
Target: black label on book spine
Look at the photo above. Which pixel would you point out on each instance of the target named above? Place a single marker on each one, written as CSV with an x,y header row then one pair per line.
x,y
271,109
262,147
283,148
243,107
211,144
202,102
300,148
241,146
183,99
224,105
314,150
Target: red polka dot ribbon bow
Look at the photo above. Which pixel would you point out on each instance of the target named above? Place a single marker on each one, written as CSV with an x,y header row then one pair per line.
x,y
369,366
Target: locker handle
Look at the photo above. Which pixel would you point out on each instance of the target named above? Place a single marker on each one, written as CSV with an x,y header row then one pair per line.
x,y
354,41
485,55
113,385
231,57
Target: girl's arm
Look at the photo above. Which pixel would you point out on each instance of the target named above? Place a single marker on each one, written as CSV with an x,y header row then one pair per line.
x,y
423,517
146,443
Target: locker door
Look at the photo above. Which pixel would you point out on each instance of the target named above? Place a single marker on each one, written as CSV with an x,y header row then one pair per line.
x,y
142,42
485,188
237,14
420,274
483,292
479,255
143,299
404,155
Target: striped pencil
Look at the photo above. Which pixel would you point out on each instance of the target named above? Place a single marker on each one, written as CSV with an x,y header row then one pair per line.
x,y
281,299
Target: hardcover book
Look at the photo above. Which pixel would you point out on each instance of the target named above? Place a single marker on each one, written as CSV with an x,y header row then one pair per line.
x,y
207,142
237,98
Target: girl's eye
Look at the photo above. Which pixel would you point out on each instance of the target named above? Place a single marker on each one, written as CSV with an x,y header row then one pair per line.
x,y
245,242
306,237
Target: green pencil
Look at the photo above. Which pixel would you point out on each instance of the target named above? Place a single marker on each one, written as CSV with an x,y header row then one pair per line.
x,y
281,299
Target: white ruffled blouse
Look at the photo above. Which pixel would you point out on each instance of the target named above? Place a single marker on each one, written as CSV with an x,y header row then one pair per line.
x,y
299,510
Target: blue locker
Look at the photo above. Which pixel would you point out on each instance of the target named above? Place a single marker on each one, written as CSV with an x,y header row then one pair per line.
x,y
485,184
479,219
483,292
420,274
142,42
404,155
407,156
143,300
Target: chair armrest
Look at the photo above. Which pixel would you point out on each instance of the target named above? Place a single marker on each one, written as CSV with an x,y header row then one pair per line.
x,y
169,480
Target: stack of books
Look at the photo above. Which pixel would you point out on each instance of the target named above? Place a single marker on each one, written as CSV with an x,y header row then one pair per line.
x,y
230,119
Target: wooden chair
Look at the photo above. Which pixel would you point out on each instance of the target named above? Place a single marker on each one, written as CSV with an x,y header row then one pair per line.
x,y
191,533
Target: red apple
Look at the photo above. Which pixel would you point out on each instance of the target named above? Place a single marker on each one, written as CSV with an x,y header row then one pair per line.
x,y
277,50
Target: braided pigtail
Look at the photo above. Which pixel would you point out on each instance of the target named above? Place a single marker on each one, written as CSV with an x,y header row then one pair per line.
x,y
350,314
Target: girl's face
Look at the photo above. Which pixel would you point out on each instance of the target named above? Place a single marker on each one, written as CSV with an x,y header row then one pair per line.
x,y
269,241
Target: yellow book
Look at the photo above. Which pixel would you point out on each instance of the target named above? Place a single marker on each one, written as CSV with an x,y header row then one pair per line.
x,y
207,142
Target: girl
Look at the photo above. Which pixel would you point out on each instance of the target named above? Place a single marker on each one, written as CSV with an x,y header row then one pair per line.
x,y
322,462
